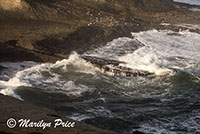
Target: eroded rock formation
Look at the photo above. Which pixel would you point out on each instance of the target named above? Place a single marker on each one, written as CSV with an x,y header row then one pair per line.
x,y
113,67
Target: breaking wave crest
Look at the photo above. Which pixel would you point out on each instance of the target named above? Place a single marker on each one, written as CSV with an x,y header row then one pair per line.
x,y
45,74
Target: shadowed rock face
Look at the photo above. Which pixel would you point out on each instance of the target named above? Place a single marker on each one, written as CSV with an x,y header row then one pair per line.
x,y
154,5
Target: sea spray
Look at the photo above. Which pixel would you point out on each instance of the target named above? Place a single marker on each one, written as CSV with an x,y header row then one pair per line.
x,y
35,76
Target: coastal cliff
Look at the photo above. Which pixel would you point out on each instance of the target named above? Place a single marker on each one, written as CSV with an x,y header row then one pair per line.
x,y
49,30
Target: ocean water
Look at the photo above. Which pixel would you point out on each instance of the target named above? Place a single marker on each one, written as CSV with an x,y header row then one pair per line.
x,y
192,2
164,103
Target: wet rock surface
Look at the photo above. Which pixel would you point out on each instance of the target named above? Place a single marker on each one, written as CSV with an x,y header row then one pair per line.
x,y
114,68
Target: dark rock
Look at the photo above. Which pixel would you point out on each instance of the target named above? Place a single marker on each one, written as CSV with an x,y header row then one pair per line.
x,y
12,53
2,68
101,61
11,42
137,132
154,5
113,67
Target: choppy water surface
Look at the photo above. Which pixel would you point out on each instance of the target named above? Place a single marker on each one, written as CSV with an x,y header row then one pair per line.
x,y
166,103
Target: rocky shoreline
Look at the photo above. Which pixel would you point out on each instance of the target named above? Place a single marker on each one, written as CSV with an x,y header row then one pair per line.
x,y
13,108
55,32
47,31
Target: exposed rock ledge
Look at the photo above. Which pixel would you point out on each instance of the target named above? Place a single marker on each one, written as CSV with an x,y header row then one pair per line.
x,y
113,67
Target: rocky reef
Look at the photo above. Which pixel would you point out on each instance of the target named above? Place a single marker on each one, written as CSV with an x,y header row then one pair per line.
x,y
113,67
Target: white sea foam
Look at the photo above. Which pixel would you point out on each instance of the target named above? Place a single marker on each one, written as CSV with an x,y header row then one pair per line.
x,y
192,2
11,76
165,24
194,9
80,117
21,78
162,48
93,112
183,25
34,77
189,26
167,43
11,68
116,48
80,64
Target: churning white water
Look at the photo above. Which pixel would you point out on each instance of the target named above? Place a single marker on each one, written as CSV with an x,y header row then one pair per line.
x,y
167,102
157,51
33,74
162,50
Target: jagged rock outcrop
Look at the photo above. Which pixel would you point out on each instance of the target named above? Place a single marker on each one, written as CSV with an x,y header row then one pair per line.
x,y
113,67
